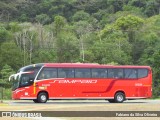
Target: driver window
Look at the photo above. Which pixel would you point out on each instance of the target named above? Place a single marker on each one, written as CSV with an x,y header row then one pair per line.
x,y
25,80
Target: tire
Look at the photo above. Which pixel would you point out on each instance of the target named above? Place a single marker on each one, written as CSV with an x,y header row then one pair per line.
x,y
111,100
119,97
35,101
42,97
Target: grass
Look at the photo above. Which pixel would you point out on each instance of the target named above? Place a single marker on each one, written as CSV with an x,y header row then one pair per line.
x,y
157,98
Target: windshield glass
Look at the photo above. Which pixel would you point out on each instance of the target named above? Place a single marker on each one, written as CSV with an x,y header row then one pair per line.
x,y
15,81
26,79
22,79
25,76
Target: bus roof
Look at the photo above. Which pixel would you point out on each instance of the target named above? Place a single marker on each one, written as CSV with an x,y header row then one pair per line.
x,y
91,65
30,67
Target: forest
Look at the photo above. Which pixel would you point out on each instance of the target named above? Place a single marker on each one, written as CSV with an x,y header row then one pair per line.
x,y
116,32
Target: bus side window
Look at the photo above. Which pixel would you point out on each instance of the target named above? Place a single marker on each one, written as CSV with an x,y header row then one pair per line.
x,y
115,73
142,73
99,73
53,73
47,73
78,73
103,73
82,73
130,73
110,73
70,73
61,73
87,73
118,73
95,73
44,75
65,73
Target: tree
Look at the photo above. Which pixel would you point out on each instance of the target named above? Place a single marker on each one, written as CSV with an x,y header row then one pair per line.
x,y
5,73
66,47
11,55
44,56
5,35
59,23
133,10
152,8
25,40
117,5
80,16
23,18
83,29
138,3
129,23
14,27
43,19
114,46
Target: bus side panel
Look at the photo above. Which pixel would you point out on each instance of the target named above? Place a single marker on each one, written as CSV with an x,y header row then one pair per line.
x,y
84,89
103,88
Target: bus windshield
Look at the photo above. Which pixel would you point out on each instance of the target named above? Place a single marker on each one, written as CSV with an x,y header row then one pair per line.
x,y
25,76
26,79
22,79
15,81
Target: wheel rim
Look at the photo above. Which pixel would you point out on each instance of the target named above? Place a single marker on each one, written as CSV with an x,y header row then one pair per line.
x,y
43,98
120,98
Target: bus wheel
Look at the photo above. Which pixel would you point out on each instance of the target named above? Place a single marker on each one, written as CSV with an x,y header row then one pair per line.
x,y
35,100
119,97
42,97
111,101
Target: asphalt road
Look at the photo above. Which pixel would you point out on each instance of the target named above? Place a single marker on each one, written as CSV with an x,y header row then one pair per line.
x,y
84,105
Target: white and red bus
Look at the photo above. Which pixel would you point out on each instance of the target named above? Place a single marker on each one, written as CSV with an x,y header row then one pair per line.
x,y
46,81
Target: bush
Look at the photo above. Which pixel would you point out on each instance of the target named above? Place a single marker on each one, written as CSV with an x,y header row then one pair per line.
x,y
6,94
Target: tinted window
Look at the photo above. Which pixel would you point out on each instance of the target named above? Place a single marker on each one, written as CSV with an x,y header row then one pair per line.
x,y
99,73
142,73
15,82
82,73
65,73
115,73
130,73
48,73
26,79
